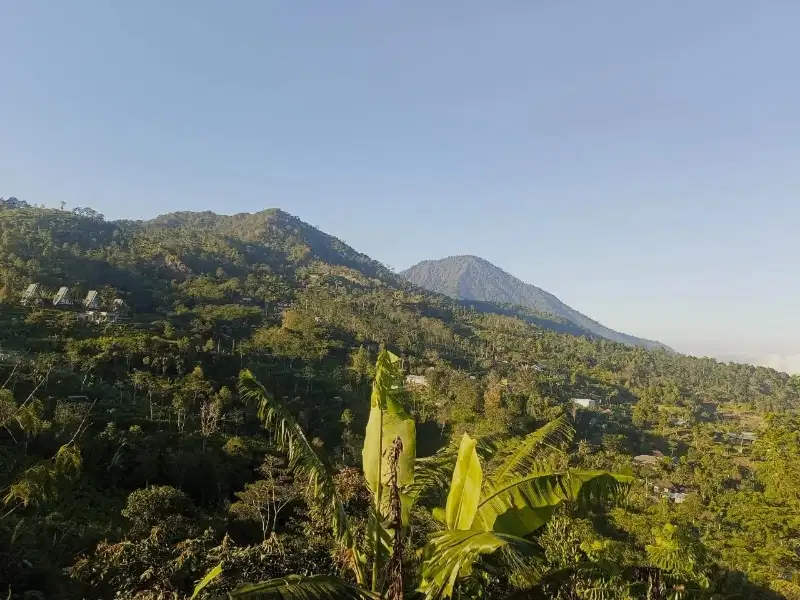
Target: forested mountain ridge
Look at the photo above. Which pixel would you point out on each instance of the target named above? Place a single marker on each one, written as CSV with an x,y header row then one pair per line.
x,y
474,278
171,243
281,231
80,249
133,460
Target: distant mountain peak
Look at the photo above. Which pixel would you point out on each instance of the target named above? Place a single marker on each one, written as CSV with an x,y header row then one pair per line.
x,y
473,278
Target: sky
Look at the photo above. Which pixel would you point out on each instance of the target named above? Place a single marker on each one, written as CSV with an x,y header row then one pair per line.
x,y
639,160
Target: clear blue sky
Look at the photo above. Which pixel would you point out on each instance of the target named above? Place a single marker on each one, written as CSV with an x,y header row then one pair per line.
x,y
640,160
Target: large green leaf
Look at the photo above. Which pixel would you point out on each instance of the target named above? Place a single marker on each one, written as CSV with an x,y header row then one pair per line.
x,y
591,488
296,587
209,577
465,488
377,534
522,505
531,453
388,420
432,474
450,555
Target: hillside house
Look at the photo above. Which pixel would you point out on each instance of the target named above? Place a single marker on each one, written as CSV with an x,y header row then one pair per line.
x,y
92,301
119,309
31,295
667,489
98,316
745,437
664,486
62,299
677,497
417,380
646,460
585,402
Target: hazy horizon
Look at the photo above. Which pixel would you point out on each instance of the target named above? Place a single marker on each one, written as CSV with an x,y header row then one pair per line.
x,y
637,161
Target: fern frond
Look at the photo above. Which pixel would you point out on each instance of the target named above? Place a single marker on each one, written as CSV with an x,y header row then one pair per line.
x,y
303,460
678,554
531,453
296,587
36,485
588,580
68,460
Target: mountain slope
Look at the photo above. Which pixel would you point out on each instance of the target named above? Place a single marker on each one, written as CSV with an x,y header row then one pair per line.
x,y
146,260
281,232
473,278
149,261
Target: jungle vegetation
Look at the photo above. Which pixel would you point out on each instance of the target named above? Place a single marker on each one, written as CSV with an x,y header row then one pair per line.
x,y
249,423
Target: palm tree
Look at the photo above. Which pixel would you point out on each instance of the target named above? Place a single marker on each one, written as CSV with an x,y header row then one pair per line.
x,y
487,522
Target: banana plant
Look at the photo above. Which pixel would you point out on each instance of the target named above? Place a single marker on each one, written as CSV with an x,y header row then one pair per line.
x,y
493,505
388,456
494,515
389,428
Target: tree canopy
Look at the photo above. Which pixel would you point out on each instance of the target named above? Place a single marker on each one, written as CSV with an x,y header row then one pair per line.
x,y
242,412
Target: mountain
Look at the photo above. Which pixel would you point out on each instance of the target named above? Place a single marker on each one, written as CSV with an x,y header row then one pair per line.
x,y
475,279
113,427
146,259
281,232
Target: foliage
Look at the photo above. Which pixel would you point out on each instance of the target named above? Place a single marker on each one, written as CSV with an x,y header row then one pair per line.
x,y
303,459
500,514
139,416
322,587
205,581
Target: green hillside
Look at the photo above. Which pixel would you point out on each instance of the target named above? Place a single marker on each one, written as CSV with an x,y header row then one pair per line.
x,y
137,455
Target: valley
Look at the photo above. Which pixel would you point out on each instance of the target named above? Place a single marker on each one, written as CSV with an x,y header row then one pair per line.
x,y
239,419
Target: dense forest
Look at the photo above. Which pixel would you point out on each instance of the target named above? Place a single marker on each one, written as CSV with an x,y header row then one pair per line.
x,y
252,409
